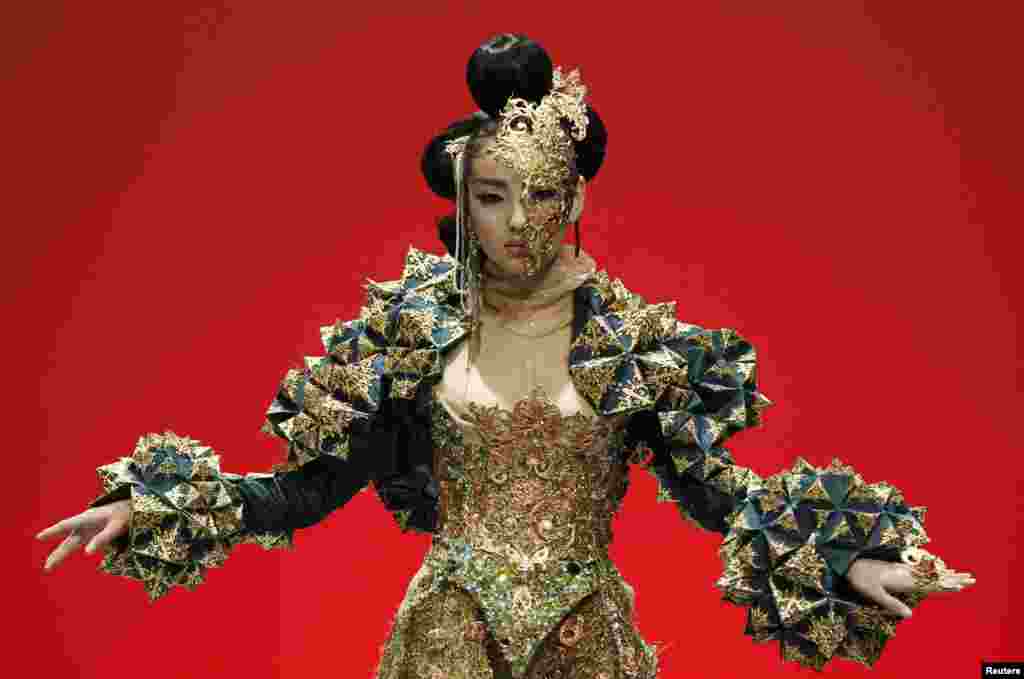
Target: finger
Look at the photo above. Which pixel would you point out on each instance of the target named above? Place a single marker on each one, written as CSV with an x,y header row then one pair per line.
x,y
104,537
889,602
70,544
956,581
64,526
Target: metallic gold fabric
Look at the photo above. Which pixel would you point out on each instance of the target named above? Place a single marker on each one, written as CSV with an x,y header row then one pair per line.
x,y
440,632
522,583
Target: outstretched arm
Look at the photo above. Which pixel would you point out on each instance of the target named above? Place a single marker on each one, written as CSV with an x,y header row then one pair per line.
x,y
174,512
186,514
284,501
357,414
790,539
825,562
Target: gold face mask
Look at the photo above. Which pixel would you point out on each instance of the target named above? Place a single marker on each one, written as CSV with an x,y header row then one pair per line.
x,y
536,142
544,218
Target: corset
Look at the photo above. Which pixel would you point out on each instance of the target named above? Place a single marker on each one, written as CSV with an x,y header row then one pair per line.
x,y
527,497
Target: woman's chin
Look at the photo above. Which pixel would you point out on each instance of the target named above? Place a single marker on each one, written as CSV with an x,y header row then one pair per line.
x,y
516,266
513,265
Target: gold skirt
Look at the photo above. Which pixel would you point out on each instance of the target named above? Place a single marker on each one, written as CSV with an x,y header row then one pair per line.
x,y
440,632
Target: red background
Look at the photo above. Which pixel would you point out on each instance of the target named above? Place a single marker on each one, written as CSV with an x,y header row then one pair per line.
x,y
194,188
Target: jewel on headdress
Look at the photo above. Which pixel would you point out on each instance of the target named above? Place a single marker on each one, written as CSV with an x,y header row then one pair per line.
x,y
456,146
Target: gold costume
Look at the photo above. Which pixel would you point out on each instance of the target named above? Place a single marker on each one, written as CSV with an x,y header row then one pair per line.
x,y
509,437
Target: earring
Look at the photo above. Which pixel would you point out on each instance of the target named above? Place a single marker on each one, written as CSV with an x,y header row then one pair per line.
x,y
471,273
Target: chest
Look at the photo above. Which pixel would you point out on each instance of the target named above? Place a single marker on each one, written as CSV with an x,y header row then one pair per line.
x,y
511,430
500,367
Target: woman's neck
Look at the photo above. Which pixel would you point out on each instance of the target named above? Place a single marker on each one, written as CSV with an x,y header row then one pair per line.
x,y
553,286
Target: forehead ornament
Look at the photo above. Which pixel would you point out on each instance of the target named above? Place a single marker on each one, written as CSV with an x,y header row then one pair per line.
x,y
536,140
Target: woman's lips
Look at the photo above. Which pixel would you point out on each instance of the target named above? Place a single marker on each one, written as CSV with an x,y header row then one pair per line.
x,y
518,249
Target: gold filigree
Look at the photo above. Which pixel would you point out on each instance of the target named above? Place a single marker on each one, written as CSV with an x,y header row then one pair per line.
x,y
532,139
571,631
527,503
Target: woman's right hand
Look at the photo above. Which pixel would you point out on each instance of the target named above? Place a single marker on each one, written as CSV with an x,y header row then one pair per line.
x,y
98,525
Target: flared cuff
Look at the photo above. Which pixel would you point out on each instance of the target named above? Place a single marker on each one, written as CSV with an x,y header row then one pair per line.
x,y
186,514
791,541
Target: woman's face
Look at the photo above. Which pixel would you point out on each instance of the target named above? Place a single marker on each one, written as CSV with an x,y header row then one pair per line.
x,y
520,227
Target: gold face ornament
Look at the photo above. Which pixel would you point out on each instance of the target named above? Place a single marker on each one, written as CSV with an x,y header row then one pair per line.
x,y
536,142
544,219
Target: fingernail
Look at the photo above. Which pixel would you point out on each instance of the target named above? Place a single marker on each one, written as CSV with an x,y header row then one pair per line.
x,y
88,550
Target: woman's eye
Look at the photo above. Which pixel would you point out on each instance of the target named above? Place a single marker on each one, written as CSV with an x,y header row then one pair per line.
x,y
488,198
545,194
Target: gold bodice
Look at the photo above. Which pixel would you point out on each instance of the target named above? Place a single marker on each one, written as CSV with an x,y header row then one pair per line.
x,y
527,498
528,484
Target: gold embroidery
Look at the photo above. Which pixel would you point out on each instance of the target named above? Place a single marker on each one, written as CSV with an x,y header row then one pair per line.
x,y
525,508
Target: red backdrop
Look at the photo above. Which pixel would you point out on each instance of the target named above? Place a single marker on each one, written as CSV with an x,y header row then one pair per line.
x,y
194,188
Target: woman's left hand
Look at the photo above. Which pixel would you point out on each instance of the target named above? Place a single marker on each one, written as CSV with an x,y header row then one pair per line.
x,y
878,580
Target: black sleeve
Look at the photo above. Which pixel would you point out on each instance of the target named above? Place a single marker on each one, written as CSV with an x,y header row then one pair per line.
x,y
300,498
704,504
789,541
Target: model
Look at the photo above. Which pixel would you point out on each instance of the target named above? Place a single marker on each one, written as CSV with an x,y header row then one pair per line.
x,y
497,397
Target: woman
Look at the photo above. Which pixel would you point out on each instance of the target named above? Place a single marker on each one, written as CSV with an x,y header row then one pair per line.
x,y
496,398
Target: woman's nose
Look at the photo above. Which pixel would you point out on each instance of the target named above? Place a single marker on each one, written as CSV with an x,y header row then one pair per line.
x,y
518,218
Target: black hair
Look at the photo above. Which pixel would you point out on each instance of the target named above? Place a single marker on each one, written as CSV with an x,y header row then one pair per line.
x,y
506,65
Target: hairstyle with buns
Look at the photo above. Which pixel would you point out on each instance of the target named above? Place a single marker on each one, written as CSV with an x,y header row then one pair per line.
x,y
506,65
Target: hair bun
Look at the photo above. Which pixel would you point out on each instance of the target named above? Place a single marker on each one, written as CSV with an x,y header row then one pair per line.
x,y
590,152
436,164
508,65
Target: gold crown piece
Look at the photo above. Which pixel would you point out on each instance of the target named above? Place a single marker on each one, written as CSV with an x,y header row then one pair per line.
x,y
531,138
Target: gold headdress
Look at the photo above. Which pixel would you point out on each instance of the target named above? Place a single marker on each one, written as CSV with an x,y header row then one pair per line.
x,y
537,142
532,138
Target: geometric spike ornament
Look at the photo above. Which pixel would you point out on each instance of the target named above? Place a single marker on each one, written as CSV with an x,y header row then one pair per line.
x,y
632,356
721,396
388,352
392,351
186,514
792,537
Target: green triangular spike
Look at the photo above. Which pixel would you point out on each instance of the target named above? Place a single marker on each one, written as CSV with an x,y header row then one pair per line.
x,y
837,488
838,559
